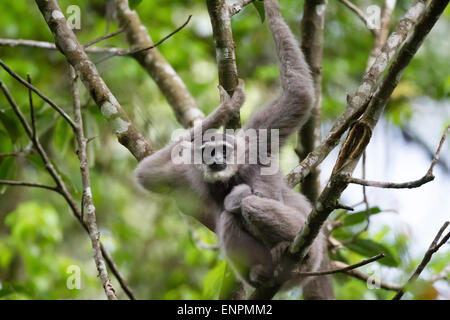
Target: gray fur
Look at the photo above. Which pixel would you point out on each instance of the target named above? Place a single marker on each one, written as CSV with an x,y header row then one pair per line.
x,y
255,216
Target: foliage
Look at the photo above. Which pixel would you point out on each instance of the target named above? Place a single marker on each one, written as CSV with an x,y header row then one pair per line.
x,y
40,239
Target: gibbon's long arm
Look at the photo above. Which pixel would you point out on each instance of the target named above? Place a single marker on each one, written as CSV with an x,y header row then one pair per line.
x,y
291,109
158,169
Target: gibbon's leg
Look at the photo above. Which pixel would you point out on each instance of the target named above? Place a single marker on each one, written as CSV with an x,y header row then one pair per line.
x,y
158,168
291,109
270,220
248,256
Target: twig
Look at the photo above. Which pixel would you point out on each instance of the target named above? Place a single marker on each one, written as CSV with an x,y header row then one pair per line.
x,y
30,102
52,46
429,176
43,97
443,275
358,12
339,270
135,51
104,37
28,184
364,277
87,201
434,247
238,6
343,206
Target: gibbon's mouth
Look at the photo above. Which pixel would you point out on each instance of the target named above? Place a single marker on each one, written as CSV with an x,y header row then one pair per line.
x,y
216,167
223,175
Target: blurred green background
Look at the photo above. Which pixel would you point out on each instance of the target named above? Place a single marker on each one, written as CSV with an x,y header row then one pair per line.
x,y
145,233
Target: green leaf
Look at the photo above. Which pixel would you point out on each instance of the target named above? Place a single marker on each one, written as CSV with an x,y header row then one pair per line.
x,y
360,216
260,8
134,3
10,123
369,248
213,281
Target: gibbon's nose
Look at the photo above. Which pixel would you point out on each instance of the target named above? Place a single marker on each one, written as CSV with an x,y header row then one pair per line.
x,y
217,166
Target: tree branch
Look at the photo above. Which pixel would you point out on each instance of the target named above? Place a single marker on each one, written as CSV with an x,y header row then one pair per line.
x,y
434,247
364,277
358,12
52,46
429,176
43,97
28,184
343,269
238,6
101,38
65,39
358,102
135,51
219,13
382,33
87,201
168,81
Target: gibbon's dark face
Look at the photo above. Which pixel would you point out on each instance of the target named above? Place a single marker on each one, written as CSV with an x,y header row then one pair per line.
x,y
218,163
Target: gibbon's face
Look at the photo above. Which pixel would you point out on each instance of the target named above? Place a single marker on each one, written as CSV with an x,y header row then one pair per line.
x,y
218,160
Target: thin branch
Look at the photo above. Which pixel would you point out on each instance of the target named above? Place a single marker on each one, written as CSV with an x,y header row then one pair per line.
x,y
30,102
358,12
28,184
43,97
434,247
364,277
104,37
52,46
340,270
358,102
87,200
135,51
16,153
429,176
381,34
238,6
443,275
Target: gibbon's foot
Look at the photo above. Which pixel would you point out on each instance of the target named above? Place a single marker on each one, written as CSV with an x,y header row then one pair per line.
x,y
278,251
261,276
233,200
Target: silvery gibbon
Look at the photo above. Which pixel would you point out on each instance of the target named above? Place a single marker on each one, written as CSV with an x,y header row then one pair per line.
x,y
251,208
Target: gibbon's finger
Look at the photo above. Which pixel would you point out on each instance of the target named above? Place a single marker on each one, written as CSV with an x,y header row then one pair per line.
x,y
239,94
224,96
